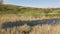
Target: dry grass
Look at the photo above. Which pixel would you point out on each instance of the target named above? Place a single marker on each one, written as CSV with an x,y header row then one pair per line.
x,y
16,30
14,18
46,29
25,29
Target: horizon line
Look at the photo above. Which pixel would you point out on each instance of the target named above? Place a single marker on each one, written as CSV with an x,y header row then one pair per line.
x,y
33,6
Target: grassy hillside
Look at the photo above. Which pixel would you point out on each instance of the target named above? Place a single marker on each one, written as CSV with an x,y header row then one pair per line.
x,y
13,13
28,11
16,13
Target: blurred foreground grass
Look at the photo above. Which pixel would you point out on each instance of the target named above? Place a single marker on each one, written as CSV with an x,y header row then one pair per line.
x,y
25,29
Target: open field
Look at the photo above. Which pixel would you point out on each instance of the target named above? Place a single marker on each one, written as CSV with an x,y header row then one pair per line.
x,y
12,13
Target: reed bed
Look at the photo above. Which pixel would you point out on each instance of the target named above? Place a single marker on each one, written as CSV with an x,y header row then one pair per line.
x,y
14,18
25,29
46,29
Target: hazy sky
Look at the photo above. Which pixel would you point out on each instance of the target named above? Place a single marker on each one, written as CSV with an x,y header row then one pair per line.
x,y
35,3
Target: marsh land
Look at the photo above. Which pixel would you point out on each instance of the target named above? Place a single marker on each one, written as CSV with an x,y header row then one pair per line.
x,y
27,20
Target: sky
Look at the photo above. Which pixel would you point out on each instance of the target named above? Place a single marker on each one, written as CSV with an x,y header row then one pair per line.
x,y
35,3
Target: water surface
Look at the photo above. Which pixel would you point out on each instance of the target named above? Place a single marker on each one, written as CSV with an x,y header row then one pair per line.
x,y
30,23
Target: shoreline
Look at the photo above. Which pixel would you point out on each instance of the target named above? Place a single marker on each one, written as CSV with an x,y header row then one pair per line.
x,y
15,18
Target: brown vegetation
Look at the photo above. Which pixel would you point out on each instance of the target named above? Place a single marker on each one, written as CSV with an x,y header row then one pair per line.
x,y
25,29
14,18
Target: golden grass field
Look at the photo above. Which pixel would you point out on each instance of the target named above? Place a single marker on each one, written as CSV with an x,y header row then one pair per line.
x,y
25,29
